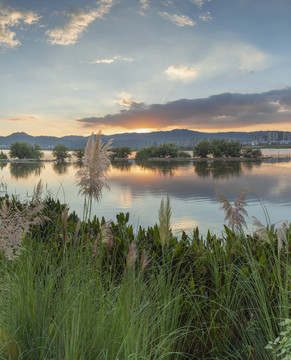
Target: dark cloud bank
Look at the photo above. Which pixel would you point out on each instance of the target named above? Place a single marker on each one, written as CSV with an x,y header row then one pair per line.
x,y
227,110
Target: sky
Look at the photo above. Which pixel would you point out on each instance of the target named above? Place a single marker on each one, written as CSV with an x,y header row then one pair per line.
x,y
73,67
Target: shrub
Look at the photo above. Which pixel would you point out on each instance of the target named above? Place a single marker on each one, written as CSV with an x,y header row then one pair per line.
x,y
3,156
121,152
61,152
23,150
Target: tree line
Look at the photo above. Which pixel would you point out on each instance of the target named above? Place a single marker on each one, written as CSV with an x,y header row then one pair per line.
x,y
216,148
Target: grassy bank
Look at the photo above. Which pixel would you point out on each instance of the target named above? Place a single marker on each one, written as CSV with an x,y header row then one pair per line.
x,y
97,290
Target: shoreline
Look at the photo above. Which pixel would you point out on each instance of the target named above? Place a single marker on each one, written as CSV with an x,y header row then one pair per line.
x,y
196,159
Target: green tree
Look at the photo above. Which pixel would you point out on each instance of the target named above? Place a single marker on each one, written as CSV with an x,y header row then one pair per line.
x,y
23,150
3,156
202,148
79,154
144,153
37,153
121,152
232,148
252,153
61,152
166,151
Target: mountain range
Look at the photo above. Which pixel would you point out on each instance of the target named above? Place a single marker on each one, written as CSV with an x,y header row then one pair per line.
x,y
182,137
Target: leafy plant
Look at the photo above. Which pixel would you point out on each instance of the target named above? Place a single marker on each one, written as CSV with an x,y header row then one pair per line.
x,y
281,347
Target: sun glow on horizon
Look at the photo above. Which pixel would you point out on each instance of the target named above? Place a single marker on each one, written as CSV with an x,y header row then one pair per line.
x,y
143,131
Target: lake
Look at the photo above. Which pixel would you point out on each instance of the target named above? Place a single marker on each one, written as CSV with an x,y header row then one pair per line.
x,y
139,189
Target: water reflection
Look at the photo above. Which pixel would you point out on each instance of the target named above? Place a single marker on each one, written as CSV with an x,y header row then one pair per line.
x,y
163,167
61,168
223,169
24,170
122,165
139,188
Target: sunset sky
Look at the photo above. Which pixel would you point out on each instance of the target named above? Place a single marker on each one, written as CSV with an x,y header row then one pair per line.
x,y
70,67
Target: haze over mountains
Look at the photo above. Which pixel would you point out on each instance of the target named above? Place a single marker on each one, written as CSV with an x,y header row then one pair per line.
x,y
181,137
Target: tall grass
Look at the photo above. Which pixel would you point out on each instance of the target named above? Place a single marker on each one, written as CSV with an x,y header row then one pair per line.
x,y
97,290
62,308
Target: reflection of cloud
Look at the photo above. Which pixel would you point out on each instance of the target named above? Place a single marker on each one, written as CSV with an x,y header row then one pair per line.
x,y
218,111
179,20
112,60
125,199
10,17
181,72
262,182
70,32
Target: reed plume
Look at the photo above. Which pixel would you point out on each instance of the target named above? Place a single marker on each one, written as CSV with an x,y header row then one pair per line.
x,y
131,256
261,231
15,224
165,213
91,178
234,214
144,261
282,235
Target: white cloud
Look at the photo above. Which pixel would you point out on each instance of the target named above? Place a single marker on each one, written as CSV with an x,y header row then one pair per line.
x,y
69,33
112,60
205,16
179,20
199,3
252,59
9,18
224,58
181,72
125,99
145,4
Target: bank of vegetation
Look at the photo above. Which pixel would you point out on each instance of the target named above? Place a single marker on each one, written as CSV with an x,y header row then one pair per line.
x,y
73,289
224,148
89,288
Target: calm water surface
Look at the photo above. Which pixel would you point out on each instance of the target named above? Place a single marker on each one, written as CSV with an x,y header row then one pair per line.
x,y
139,188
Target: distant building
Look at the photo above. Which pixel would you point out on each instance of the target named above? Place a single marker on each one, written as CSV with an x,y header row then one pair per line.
x,y
282,137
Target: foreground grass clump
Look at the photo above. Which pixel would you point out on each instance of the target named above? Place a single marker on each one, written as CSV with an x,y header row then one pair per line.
x,y
97,290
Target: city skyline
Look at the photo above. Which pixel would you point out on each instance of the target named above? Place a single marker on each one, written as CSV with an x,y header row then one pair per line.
x,y
71,68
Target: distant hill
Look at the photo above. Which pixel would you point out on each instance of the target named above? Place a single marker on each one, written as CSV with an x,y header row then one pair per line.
x,y
182,137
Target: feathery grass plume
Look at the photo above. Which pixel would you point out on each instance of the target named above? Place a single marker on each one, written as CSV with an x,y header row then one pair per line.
x,y
107,235
91,178
261,230
64,224
165,213
234,214
14,225
37,193
144,261
281,235
131,256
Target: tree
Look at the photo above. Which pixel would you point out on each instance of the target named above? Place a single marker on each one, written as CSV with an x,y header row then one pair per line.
x,y
121,152
3,156
60,152
23,150
79,154
144,153
252,153
202,148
